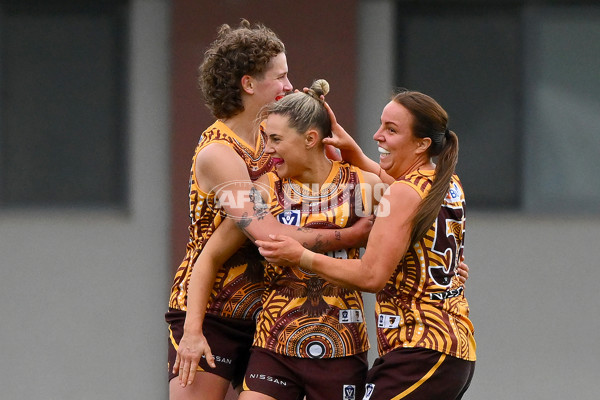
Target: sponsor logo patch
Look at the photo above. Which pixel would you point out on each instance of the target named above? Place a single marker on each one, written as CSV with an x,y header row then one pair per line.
x,y
388,321
447,294
369,389
268,378
220,359
454,193
350,316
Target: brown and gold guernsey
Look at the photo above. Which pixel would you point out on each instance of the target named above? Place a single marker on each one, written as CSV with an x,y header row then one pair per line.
x,y
238,287
423,303
303,315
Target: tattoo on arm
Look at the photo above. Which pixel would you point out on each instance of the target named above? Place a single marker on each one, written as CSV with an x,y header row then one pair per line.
x,y
243,223
259,206
338,235
319,245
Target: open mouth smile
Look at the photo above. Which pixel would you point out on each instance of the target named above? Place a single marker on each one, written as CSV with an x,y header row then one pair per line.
x,y
383,152
277,161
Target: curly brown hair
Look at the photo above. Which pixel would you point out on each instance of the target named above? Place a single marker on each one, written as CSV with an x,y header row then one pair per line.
x,y
236,52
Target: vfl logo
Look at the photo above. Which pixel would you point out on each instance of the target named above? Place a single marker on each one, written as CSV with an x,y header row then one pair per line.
x,y
290,217
369,389
349,392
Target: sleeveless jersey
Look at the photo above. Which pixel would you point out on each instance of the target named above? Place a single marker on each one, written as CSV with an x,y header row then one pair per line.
x,y
423,303
238,287
303,315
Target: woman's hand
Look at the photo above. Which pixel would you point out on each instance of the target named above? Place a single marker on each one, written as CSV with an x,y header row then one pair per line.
x,y
361,230
462,270
333,153
191,348
281,250
342,140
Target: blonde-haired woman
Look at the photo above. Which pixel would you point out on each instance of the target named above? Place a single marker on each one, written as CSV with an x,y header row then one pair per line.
x,y
243,69
424,334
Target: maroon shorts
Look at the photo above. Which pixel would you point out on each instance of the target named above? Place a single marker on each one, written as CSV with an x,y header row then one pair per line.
x,y
292,378
418,374
229,340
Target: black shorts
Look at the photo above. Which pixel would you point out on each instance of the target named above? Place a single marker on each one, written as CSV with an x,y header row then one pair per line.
x,y
229,340
292,378
418,374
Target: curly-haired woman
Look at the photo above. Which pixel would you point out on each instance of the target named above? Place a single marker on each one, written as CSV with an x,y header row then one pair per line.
x,y
244,69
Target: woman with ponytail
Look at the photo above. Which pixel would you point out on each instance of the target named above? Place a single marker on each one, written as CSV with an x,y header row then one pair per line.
x,y
424,335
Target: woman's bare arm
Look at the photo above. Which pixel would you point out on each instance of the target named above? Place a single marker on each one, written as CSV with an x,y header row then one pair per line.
x,y
388,242
223,243
351,151
220,167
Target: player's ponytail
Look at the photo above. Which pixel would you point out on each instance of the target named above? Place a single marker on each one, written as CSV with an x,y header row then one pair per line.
x,y
431,120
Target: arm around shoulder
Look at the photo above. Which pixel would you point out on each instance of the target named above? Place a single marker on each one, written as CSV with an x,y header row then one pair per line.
x,y
387,244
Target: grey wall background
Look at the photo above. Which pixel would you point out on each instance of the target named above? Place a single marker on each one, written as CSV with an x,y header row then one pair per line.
x,y
533,280
83,293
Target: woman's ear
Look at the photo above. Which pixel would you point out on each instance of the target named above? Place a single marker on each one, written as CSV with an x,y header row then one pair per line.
x,y
311,138
423,144
247,84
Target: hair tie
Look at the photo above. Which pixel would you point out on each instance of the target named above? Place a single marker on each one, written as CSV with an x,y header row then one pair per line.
x,y
447,133
315,96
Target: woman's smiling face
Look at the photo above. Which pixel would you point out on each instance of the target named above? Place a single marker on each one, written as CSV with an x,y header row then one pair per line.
x,y
395,140
285,145
275,82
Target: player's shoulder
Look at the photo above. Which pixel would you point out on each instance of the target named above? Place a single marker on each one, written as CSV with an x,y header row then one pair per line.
x,y
370,178
406,190
217,152
265,179
419,180
219,161
364,177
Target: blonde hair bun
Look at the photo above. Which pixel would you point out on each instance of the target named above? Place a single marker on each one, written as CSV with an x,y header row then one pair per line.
x,y
320,87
